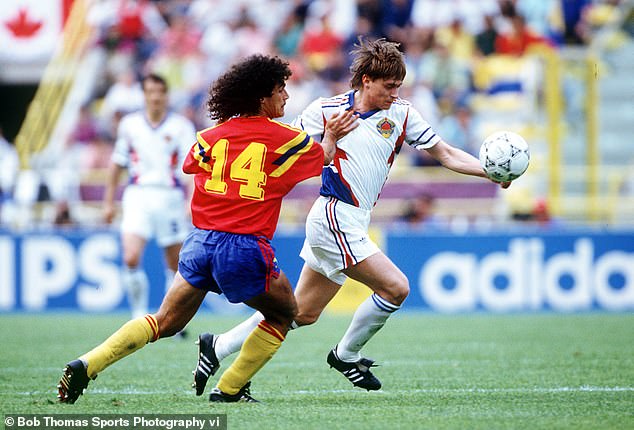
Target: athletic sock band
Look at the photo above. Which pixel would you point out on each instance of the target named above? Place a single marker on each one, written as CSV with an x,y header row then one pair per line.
x,y
383,304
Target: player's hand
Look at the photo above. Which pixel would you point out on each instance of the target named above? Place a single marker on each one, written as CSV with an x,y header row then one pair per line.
x,y
504,185
342,123
108,213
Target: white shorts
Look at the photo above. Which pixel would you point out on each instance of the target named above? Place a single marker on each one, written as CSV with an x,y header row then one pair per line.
x,y
336,238
157,212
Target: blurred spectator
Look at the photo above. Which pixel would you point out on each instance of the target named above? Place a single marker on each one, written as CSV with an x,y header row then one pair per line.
x,y
485,40
62,216
289,36
303,87
363,28
181,38
86,128
218,47
431,14
472,13
396,20
537,214
518,39
124,96
192,41
320,42
541,214
507,8
572,13
459,42
440,13
89,145
444,74
138,26
422,159
98,156
249,37
370,12
179,60
128,31
336,73
343,16
459,128
539,14
421,96
420,214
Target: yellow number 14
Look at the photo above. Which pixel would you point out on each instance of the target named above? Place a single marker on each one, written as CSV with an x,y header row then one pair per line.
x,y
248,167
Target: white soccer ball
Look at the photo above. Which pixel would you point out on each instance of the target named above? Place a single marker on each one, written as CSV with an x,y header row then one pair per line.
x,y
504,156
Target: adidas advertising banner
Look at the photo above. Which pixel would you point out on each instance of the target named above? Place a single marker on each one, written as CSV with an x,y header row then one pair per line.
x,y
561,272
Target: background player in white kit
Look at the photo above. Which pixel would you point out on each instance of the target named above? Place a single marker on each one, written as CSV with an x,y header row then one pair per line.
x,y
337,244
151,144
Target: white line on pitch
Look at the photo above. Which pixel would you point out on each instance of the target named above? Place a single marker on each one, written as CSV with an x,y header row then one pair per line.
x,y
527,390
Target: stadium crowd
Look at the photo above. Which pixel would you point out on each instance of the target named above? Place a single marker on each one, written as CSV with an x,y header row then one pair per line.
x,y
191,42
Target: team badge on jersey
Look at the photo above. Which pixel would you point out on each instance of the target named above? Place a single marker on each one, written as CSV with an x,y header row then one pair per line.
x,y
386,127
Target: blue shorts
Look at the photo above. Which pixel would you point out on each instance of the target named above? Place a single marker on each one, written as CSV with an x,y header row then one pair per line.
x,y
237,265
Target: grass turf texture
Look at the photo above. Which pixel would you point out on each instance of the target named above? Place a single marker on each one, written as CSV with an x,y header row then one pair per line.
x,y
439,372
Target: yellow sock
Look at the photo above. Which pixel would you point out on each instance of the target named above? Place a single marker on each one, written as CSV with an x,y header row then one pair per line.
x,y
133,335
258,348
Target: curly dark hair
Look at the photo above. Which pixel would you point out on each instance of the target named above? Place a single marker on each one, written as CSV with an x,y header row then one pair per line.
x,y
240,90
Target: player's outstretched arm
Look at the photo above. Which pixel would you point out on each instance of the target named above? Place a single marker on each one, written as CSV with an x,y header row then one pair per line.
x,y
459,161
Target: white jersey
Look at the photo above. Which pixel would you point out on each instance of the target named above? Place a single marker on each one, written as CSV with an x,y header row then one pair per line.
x,y
365,155
153,155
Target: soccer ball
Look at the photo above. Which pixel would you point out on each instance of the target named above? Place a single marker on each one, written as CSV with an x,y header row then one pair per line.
x,y
504,156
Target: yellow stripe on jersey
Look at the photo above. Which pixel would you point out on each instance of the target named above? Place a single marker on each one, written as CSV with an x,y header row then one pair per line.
x,y
203,148
287,126
290,152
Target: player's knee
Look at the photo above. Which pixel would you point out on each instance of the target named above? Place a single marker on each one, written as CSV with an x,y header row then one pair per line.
x,y
288,314
168,326
306,318
397,291
131,260
281,316
402,291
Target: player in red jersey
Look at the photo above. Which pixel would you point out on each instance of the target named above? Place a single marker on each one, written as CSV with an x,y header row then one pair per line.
x,y
243,168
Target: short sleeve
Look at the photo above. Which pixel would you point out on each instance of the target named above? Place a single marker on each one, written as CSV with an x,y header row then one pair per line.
x,y
419,133
311,120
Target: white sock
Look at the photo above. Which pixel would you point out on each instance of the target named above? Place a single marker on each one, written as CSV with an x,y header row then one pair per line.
x,y
369,317
231,341
137,288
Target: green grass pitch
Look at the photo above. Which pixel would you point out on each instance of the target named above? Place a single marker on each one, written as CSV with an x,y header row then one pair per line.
x,y
479,371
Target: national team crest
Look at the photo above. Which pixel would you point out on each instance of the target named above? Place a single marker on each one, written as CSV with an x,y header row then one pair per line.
x,y
386,127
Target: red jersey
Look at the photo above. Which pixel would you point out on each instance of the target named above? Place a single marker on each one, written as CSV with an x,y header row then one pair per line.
x,y
244,167
517,44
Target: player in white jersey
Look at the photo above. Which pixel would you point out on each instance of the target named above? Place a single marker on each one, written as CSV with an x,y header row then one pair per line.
x,y
337,245
151,144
